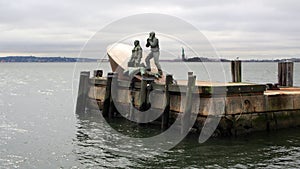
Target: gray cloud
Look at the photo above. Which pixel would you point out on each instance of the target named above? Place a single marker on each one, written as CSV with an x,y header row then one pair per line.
x,y
246,28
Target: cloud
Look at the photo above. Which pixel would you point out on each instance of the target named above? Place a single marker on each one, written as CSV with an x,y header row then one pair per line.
x,y
245,28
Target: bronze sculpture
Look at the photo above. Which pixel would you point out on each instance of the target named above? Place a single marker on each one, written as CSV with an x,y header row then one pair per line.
x,y
153,42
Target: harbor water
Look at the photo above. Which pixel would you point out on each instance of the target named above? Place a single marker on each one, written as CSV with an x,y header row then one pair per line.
x,y
39,127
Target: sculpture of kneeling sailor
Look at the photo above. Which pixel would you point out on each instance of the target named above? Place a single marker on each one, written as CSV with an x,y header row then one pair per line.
x,y
137,53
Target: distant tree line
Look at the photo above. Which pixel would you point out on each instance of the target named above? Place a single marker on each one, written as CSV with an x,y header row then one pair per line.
x,y
43,59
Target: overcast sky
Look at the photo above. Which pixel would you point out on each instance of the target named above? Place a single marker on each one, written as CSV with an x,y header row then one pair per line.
x,y
248,29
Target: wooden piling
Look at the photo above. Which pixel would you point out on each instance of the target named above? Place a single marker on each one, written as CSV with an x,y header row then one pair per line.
x,y
290,74
285,74
143,95
143,98
165,115
82,92
107,97
236,71
280,74
113,96
132,101
98,73
186,116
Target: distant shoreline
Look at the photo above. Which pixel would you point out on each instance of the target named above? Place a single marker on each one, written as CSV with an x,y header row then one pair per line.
x,y
34,59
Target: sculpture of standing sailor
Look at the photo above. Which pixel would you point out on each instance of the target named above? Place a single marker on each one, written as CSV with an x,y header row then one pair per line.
x,y
152,42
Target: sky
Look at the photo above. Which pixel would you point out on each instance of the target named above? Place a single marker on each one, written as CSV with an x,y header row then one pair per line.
x,y
235,28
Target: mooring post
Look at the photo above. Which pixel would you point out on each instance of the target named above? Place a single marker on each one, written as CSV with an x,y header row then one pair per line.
x,y
165,115
285,74
236,71
186,116
113,96
106,103
98,73
82,92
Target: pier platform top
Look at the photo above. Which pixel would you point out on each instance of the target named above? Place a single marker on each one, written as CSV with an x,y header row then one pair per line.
x,y
231,88
284,91
215,84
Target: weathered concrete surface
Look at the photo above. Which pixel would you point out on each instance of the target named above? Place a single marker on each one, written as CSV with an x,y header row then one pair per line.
x,y
279,102
97,93
245,104
283,99
246,123
296,101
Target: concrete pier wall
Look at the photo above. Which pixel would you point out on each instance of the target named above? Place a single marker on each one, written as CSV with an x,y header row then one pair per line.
x,y
243,107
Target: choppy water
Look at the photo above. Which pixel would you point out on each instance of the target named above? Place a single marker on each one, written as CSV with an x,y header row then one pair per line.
x,y
39,129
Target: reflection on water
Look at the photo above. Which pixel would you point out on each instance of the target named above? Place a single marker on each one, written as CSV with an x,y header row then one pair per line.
x,y
109,148
97,147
